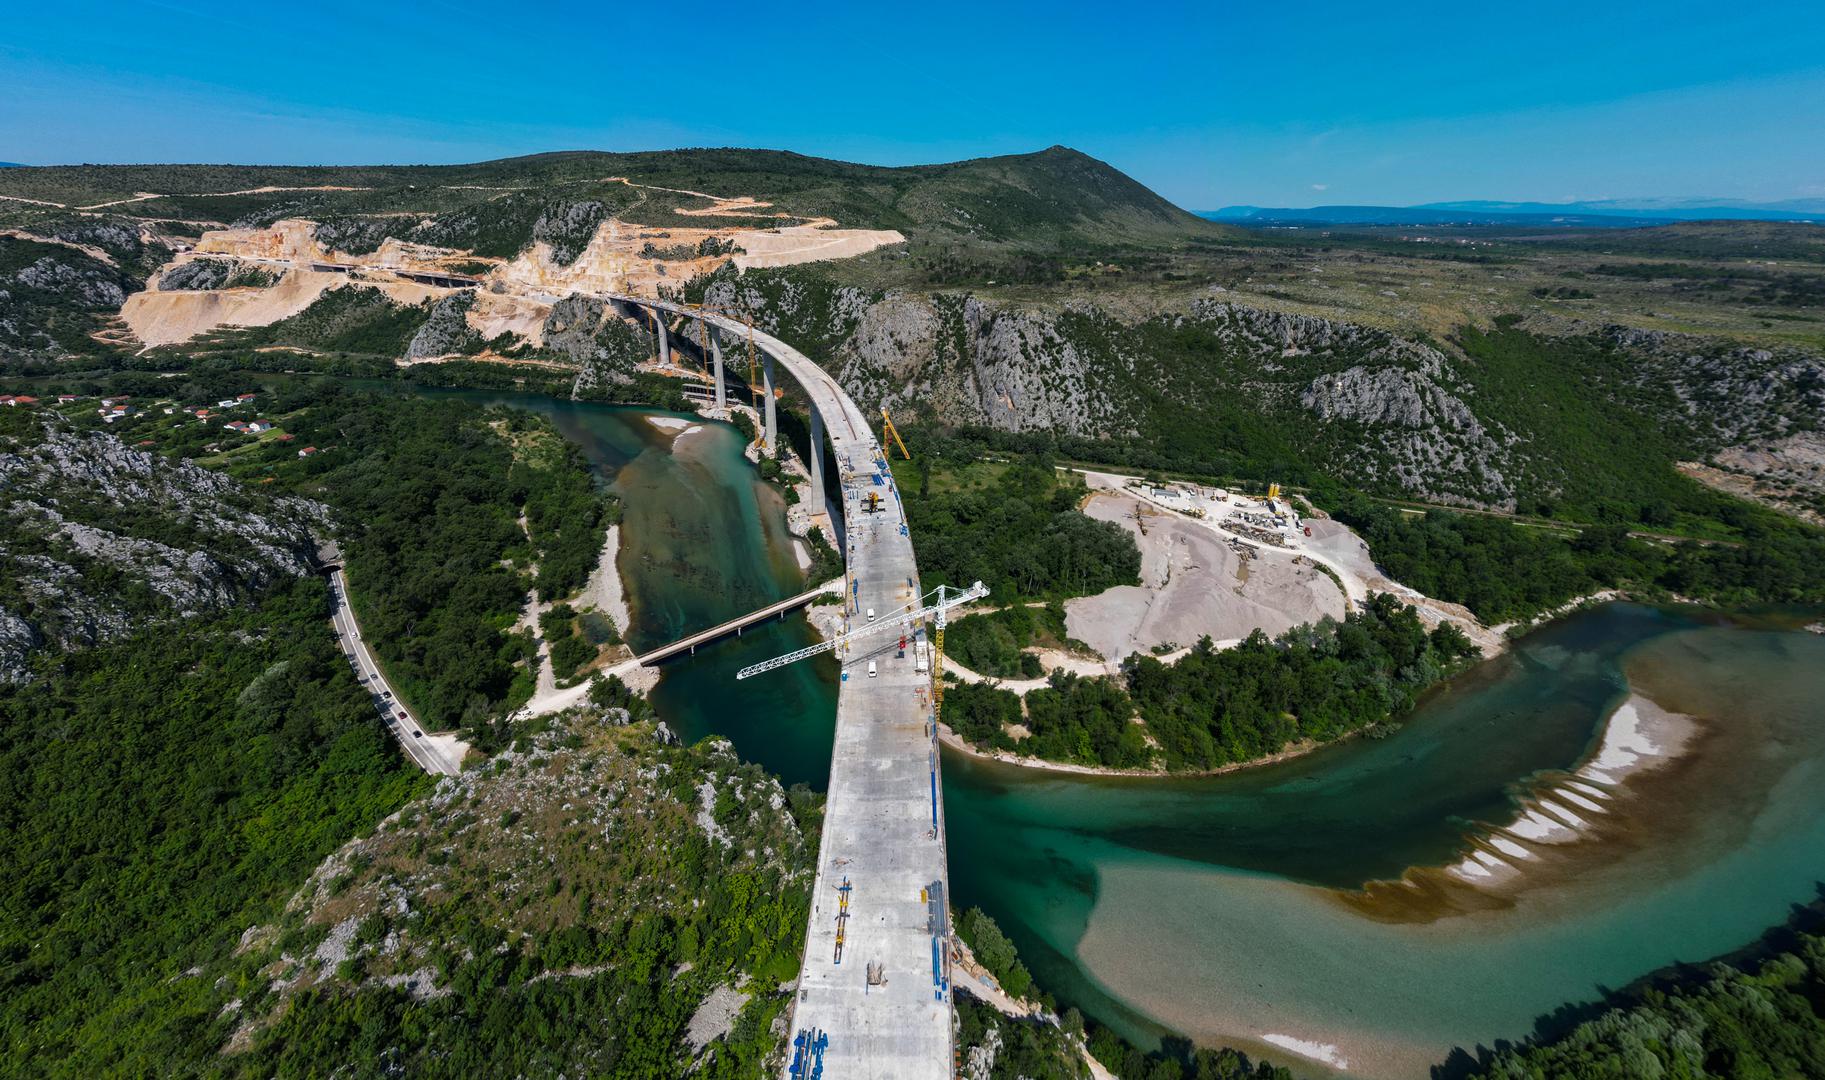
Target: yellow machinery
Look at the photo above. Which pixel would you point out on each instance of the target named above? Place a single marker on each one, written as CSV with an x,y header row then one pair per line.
x,y
888,429
1273,490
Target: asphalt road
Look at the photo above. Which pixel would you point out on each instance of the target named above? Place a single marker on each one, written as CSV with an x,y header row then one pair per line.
x,y
438,755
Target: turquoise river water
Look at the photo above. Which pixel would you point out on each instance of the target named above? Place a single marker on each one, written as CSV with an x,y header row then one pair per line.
x,y
1232,909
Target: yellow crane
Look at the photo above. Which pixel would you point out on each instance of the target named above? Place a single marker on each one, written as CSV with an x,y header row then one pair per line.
x,y
888,429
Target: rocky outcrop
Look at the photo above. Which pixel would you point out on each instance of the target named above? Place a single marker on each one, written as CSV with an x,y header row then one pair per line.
x,y
1388,411
196,275
1730,394
594,334
100,539
447,330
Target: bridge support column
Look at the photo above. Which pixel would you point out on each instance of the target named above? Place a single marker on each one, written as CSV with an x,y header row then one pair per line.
x,y
766,384
665,340
816,464
722,400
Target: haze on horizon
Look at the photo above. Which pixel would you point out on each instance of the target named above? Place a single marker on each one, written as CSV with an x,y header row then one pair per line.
x,y
1210,105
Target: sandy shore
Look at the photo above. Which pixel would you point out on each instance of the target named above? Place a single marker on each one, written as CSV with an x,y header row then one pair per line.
x,y
956,742
605,589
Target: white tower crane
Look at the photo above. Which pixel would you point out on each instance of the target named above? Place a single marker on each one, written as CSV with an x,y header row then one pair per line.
x,y
902,620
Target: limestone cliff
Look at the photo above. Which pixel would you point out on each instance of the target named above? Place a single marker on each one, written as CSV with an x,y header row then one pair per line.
x,y
97,538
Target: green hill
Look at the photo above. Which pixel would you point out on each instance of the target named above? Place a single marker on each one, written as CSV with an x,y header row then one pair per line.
x,y
1056,198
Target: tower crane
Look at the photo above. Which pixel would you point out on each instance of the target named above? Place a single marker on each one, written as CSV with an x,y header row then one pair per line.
x,y
902,621
887,429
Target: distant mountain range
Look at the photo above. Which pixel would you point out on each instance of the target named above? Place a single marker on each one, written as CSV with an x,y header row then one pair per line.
x,y
1600,213
10,165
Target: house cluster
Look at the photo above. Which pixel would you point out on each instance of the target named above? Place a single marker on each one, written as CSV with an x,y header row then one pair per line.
x,y
18,399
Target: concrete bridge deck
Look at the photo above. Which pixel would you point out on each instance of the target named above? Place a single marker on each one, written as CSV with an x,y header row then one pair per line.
x,y
736,626
883,823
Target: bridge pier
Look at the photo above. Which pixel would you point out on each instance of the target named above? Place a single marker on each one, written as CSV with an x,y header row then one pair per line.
x,y
709,337
766,382
665,340
816,464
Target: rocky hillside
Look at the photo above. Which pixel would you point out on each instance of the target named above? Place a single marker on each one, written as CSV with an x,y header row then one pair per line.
x,y
1488,419
63,279
98,538
651,896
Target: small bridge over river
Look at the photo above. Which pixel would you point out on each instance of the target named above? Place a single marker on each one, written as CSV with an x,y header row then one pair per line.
x,y
736,626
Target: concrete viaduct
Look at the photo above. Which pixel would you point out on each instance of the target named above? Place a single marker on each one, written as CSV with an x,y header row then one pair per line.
x,y
874,995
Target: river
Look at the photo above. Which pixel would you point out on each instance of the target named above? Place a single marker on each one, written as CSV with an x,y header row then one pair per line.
x,y
1233,908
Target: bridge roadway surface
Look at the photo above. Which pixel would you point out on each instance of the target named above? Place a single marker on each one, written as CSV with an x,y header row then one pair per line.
x,y
883,821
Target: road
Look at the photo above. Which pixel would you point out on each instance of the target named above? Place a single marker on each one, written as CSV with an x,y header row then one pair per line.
x,y
439,755
883,821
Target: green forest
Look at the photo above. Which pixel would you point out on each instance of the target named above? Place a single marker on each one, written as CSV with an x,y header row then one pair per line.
x,y
160,796
428,494
992,643
1503,571
1767,1020
1015,527
1213,708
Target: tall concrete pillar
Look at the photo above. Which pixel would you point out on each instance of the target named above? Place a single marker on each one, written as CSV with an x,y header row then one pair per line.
x,y
665,339
709,333
766,384
817,461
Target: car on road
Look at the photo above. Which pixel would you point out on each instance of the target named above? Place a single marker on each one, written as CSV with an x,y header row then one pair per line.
x,y
403,716
418,734
386,694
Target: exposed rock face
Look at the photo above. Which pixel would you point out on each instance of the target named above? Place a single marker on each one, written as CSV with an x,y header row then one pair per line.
x,y
99,538
1393,411
447,330
594,334
1731,395
90,289
568,229
196,275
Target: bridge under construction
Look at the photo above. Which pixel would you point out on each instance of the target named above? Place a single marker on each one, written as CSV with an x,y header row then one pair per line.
x,y
874,992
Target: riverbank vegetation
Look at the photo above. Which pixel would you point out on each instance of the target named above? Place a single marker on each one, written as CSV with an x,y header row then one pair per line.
x,y
1212,708
160,796
1013,525
1502,570
429,495
1718,1020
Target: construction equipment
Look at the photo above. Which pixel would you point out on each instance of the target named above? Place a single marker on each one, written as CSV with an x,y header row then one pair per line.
x,y
872,503
938,650
1273,490
899,620
888,429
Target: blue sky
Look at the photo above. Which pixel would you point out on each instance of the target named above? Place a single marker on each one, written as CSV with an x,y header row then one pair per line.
x,y
1275,103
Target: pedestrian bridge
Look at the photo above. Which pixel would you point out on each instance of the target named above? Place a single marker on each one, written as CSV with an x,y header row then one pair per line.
x,y
736,626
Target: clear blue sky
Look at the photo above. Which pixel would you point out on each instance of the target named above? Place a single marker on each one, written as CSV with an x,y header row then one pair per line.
x,y
1274,102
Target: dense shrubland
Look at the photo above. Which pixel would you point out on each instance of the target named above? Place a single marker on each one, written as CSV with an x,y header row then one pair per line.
x,y
158,796
1502,570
